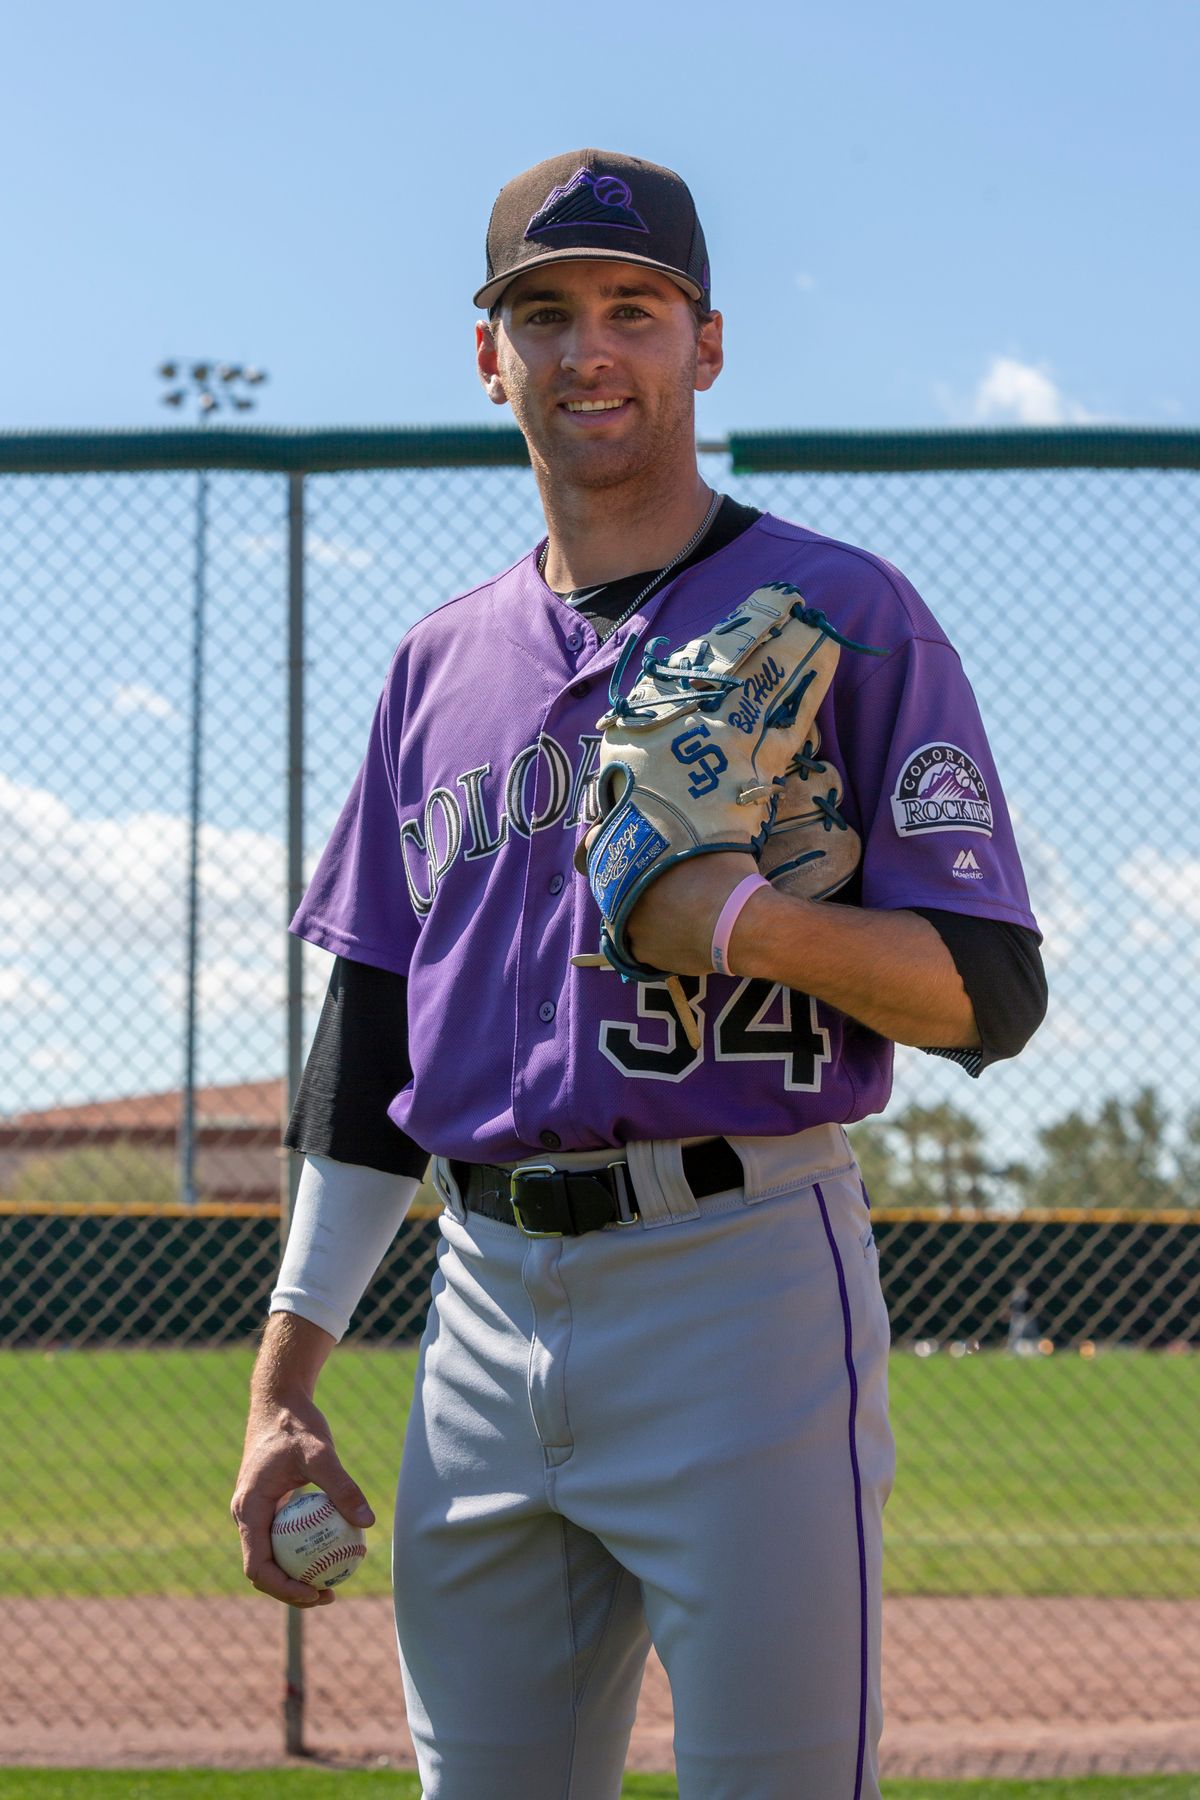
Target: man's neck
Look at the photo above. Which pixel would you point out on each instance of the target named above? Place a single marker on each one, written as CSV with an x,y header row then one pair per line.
x,y
598,535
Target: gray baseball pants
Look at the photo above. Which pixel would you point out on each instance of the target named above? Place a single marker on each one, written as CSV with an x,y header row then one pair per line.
x,y
674,1432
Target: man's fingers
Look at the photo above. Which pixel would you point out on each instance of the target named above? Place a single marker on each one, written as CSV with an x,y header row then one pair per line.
x,y
254,1512
346,1495
253,1509
269,1578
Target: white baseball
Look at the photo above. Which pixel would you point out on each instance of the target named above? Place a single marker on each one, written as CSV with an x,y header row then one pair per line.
x,y
312,1542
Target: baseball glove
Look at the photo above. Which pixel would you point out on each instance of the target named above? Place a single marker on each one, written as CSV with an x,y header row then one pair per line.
x,y
811,850
696,759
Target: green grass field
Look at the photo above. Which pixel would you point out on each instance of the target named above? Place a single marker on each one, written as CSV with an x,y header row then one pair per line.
x,y
1048,1475
317,1784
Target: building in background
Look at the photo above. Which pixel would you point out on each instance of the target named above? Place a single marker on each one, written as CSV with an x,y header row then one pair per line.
x,y
124,1153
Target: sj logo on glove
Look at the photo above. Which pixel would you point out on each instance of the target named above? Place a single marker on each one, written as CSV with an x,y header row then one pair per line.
x,y
709,759
737,709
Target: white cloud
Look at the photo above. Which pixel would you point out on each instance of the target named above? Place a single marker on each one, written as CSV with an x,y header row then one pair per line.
x,y
92,933
806,283
77,885
227,986
258,544
327,551
25,994
136,697
55,1059
1066,1028
1167,886
1023,394
1058,903
1151,933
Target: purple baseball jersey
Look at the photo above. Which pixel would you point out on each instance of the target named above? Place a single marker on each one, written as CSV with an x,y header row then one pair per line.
x,y
451,862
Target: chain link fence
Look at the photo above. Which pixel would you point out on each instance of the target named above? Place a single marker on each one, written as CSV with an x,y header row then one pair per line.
x,y
1039,1231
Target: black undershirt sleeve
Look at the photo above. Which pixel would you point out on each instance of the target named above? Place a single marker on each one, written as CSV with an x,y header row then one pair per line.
x,y
1001,969
357,1065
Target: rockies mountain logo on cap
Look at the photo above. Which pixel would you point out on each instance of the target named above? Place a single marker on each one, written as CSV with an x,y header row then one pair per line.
x,y
587,199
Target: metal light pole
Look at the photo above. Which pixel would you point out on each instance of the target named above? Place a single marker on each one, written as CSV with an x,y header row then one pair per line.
x,y
212,385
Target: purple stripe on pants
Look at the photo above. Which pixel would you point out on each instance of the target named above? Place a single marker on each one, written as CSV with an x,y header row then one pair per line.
x,y
858,1516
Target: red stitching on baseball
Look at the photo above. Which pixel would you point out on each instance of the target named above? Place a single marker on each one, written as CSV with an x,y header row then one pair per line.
x,y
331,1557
303,1520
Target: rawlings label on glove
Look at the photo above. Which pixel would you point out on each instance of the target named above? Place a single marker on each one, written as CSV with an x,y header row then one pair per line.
x,y
696,759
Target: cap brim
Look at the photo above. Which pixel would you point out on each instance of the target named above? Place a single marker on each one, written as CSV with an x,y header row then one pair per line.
x,y
491,291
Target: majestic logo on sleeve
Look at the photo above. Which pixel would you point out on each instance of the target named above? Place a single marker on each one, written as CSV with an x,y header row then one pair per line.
x,y
941,789
587,199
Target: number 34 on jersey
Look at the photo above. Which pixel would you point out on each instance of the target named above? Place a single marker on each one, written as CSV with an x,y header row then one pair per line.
x,y
760,1022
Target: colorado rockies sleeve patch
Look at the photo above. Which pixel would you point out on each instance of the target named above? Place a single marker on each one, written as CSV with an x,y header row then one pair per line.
x,y
941,789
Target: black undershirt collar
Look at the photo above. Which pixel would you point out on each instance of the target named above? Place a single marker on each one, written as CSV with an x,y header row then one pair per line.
x,y
601,606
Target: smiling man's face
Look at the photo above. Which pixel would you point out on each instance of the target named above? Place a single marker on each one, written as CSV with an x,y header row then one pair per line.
x,y
600,362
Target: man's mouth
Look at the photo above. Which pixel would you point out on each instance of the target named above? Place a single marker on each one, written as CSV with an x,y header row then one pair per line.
x,y
592,406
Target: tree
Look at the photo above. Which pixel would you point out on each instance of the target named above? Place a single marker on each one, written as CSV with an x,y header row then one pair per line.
x,y
929,1156
1117,1159
875,1159
99,1175
945,1162
1187,1162
1121,1156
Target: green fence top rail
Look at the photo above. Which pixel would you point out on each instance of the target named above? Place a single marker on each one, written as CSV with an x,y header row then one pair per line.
x,y
269,449
287,448
992,447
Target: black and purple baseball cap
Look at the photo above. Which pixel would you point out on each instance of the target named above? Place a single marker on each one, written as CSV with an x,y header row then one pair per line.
x,y
595,204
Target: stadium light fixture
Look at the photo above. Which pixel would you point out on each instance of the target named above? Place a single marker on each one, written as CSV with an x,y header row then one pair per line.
x,y
209,395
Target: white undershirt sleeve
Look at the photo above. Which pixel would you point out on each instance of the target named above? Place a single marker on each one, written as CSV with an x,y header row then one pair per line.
x,y
343,1222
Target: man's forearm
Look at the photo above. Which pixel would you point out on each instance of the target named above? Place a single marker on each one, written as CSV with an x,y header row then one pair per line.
x,y
889,970
288,1443
292,1355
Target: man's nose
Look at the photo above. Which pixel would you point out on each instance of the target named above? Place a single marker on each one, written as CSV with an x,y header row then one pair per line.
x,y
586,350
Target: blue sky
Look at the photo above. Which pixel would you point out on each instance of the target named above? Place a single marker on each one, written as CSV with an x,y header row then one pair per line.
x,y
917,214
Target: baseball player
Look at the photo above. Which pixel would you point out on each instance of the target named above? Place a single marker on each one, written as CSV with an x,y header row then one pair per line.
x,y
651,1400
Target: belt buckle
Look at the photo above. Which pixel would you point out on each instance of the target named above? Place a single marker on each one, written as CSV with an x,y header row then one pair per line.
x,y
538,1172
628,1213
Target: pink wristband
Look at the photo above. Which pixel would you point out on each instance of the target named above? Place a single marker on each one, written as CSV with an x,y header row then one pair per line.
x,y
723,929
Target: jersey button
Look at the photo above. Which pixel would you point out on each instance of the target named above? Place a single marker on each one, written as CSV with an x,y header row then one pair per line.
x,y
575,640
556,884
546,1011
579,690
549,1140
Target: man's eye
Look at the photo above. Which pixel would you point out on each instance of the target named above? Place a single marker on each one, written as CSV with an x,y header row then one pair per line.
x,y
636,312
544,315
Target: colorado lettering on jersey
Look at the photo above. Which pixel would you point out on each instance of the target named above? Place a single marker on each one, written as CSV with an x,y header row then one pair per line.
x,y
431,843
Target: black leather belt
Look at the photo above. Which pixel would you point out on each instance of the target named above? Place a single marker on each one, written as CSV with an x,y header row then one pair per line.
x,y
543,1201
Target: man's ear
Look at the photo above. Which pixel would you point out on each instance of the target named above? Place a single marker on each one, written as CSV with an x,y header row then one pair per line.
x,y
710,353
488,363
